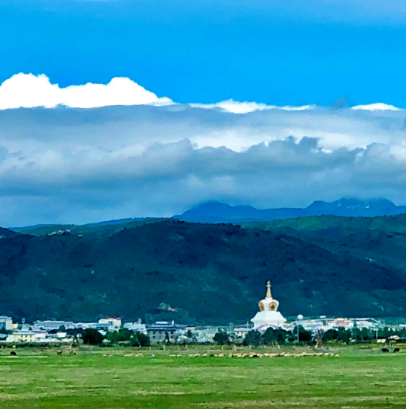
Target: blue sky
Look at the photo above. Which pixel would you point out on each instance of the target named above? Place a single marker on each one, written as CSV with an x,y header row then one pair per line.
x,y
298,53
126,108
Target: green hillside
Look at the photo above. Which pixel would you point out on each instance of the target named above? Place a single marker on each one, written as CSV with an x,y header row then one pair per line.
x,y
96,230
349,224
382,239
191,273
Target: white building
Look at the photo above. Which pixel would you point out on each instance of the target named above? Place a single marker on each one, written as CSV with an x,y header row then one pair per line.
x,y
25,336
136,326
6,323
113,324
341,323
241,332
164,331
30,336
53,325
268,315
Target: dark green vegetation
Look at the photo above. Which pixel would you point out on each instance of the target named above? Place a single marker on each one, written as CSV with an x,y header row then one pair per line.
x,y
92,337
380,240
164,382
197,273
103,229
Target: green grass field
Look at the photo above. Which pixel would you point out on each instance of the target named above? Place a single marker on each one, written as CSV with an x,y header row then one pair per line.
x,y
111,380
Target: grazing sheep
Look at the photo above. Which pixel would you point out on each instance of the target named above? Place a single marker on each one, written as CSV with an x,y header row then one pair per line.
x,y
385,350
396,350
13,353
59,352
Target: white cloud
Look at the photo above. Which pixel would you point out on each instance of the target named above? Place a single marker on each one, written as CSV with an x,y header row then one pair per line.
x,y
236,107
28,91
376,107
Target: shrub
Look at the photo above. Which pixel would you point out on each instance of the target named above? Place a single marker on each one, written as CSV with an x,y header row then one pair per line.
x,y
92,337
221,338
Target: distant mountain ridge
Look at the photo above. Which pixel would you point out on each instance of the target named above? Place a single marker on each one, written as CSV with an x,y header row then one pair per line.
x,y
217,212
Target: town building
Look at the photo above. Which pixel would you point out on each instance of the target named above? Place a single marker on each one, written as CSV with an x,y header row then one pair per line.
x,y
369,323
53,325
164,331
312,325
6,323
23,336
341,323
241,332
268,315
113,324
205,334
136,326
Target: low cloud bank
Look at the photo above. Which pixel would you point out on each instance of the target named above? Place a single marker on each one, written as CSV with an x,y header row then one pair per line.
x,y
148,156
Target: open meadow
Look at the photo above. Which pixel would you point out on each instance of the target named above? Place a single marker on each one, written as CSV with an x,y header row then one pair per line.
x,y
122,380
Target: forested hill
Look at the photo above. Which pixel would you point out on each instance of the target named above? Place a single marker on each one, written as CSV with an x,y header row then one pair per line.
x,y
381,239
193,273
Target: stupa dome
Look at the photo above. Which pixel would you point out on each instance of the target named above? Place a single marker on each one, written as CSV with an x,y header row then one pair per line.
x,y
268,315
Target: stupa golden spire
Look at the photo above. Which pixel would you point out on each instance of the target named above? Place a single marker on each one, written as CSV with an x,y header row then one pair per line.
x,y
268,290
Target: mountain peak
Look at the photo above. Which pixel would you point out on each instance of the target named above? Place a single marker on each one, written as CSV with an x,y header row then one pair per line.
x,y
217,212
352,205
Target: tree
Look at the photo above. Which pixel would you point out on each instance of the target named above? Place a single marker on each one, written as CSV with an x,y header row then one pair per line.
x,y
252,338
330,335
139,339
384,333
74,331
361,334
356,334
112,337
304,336
221,338
366,334
92,337
318,337
269,337
344,335
123,335
281,335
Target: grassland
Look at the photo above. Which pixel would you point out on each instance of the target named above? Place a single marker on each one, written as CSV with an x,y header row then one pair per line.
x,y
361,379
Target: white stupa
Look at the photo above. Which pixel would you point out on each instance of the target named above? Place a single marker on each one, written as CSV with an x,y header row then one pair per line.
x,y
268,315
